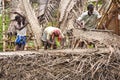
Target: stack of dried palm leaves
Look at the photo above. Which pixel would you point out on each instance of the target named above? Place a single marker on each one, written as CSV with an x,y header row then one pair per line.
x,y
77,64
104,38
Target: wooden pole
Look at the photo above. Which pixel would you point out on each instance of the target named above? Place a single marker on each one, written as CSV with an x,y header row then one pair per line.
x,y
3,24
117,23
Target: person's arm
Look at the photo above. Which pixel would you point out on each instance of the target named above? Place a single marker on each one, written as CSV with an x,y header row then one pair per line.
x,y
20,28
50,42
23,18
48,39
80,23
80,20
19,14
61,38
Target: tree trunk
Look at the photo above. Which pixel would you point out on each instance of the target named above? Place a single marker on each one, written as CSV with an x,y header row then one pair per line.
x,y
32,19
15,6
69,11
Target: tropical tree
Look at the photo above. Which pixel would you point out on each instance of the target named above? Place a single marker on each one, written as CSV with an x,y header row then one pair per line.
x,y
60,13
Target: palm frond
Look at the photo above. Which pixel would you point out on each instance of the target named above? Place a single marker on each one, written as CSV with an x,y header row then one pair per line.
x,y
69,11
49,9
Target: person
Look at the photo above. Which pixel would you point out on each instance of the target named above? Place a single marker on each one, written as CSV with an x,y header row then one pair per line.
x,y
88,19
52,37
20,26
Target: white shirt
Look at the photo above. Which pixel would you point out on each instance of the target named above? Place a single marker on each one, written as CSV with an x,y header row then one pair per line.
x,y
89,21
22,32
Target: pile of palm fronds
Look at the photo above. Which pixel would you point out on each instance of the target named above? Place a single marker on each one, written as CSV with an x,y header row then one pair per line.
x,y
95,38
77,64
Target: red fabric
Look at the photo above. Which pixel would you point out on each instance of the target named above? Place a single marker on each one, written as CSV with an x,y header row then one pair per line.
x,y
57,32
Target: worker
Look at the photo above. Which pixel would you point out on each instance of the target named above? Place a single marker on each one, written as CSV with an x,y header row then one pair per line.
x,y
88,19
52,37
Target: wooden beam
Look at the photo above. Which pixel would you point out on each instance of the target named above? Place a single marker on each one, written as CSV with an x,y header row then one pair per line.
x,y
116,24
3,24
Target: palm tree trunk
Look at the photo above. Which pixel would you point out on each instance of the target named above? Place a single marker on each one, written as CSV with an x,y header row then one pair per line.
x,y
69,11
32,19
16,6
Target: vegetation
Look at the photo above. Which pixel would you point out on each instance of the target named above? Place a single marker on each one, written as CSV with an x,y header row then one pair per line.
x,y
7,20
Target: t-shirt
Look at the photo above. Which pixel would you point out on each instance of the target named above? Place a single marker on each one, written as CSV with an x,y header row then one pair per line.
x,y
89,21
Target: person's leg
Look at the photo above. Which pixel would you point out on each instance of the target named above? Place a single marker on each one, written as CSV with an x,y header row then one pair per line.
x,y
51,46
23,42
54,46
45,45
17,47
22,47
17,43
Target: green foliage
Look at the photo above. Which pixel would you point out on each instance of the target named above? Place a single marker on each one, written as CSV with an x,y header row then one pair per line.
x,y
54,23
1,47
54,20
94,2
7,21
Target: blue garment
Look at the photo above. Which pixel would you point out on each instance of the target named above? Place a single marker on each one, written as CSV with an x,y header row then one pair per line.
x,y
21,40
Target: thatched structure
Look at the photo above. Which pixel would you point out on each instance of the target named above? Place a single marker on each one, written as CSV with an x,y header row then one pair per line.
x,y
110,18
98,62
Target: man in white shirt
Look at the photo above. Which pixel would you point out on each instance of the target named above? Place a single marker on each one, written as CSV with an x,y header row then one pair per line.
x,y
89,18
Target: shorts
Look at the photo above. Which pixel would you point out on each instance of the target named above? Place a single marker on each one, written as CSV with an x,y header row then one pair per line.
x,y
20,40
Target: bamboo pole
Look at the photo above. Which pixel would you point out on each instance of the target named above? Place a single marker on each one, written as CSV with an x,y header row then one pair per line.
x,y
3,24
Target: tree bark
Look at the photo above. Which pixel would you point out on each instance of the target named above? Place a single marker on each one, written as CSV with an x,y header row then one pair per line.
x,y
69,11
32,19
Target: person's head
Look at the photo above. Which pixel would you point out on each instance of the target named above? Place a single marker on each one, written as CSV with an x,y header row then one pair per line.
x,y
90,9
17,18
56,33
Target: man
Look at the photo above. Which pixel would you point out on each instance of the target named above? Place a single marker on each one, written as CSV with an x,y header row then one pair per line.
x,y
19,24
51,37
89,18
